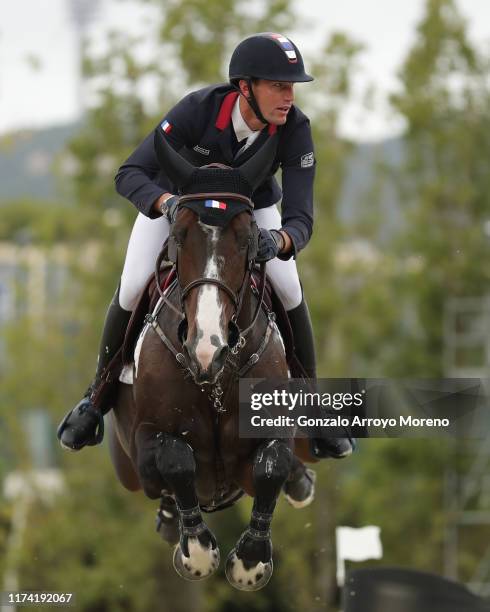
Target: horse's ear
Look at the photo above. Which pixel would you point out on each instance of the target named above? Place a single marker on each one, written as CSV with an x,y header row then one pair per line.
x,y
256,169
178,169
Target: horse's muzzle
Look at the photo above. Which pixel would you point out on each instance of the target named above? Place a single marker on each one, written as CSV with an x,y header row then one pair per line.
x,y
206,370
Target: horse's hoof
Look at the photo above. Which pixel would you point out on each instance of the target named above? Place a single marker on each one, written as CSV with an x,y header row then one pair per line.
x,y
245,579
301,493
201,562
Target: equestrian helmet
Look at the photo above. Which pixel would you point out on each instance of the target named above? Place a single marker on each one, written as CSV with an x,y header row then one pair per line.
x,y
269,56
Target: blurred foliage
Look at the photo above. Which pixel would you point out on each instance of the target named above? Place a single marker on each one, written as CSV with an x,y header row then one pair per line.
x,y
45,223
377,311
203,34
444,99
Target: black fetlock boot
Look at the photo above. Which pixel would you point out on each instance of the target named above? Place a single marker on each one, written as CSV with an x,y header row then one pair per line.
x,y
336,446
84,425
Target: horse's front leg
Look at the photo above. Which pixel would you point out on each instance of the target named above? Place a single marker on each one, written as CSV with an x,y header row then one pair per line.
x,y
197,555
249,564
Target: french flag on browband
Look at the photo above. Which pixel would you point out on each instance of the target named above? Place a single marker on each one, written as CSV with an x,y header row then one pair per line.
x,y
215,204
166,127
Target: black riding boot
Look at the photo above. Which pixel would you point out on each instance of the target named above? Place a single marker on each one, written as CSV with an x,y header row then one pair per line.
x,y
84,425
304,348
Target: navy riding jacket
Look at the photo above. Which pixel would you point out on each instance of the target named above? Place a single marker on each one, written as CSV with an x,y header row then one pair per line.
x,y
199,127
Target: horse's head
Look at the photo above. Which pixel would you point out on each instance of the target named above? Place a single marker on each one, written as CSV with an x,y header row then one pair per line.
x,y
213,241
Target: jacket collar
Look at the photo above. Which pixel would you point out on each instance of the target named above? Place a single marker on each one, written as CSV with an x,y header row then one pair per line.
x,y
224,115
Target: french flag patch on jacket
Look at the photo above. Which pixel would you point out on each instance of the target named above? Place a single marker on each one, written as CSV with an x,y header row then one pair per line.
x,y
215,204
166,127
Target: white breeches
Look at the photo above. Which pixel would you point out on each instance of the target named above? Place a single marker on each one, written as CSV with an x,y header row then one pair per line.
x,y
148,236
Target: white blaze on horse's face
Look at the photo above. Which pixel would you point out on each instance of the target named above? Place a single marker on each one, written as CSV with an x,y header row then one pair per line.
x,y
209,312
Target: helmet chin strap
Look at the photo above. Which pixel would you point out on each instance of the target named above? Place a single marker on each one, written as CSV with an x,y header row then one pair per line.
x,y
252,100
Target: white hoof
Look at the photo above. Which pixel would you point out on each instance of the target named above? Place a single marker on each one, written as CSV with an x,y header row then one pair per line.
x,y
244,579
201,562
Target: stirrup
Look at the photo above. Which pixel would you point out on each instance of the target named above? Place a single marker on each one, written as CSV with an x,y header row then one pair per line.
x,y
99,432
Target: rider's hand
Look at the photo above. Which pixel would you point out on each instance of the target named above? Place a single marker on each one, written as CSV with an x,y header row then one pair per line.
x,y
168,206
271,243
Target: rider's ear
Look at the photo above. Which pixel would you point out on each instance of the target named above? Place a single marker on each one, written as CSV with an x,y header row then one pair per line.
x,y
244,88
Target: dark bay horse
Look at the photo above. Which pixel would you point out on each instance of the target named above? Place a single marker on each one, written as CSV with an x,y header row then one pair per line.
x,y
174,432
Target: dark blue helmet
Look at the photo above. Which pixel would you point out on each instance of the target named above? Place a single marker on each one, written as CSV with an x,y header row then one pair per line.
x,y
268,56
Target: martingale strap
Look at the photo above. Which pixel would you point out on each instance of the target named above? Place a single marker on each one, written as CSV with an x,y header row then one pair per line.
x,y
153,322
254,357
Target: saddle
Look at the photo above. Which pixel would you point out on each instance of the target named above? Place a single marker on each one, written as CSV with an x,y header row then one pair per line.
x,y
150,296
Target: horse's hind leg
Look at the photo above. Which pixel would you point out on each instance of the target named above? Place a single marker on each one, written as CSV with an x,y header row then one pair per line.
x,y
249,564
197,555
123,465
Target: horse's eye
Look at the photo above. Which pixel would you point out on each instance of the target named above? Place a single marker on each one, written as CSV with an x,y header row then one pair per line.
x,y
242,239
180,233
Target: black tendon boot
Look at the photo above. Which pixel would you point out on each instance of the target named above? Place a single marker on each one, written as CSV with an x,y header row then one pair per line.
x,y
335,446
84,425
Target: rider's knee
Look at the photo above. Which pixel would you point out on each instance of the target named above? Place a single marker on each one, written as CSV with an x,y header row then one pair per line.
x,y
287,286
291,295
129,292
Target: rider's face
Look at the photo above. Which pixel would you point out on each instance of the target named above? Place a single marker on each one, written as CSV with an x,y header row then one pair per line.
x,y
275,99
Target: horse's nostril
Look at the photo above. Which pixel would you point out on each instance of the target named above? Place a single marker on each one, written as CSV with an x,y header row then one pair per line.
x,y
182,331
233,334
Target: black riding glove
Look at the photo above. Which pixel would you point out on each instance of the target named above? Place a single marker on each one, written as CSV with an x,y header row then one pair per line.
x,y
270,243
168,208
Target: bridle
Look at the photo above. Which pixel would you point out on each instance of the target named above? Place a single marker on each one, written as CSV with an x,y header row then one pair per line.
x,y
237,337
235,297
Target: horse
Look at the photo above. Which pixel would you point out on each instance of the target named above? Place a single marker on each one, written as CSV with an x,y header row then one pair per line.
x,y
174,431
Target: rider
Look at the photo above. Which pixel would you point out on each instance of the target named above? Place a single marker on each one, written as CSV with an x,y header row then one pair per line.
x,y
224,123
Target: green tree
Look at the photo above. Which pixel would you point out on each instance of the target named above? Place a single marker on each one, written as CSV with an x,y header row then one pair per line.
x,y
443,98
443,187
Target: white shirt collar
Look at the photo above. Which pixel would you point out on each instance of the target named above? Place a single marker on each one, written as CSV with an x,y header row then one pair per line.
x,y
241,128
